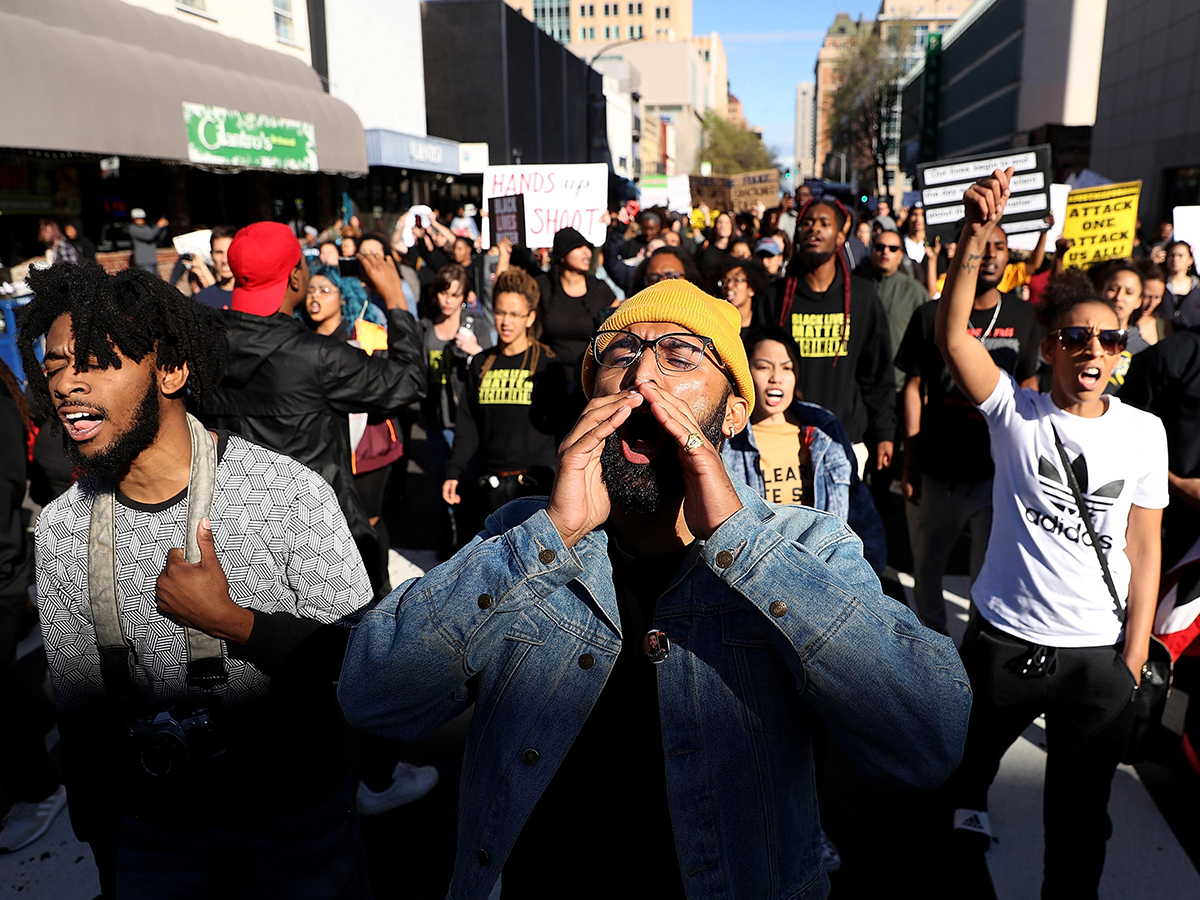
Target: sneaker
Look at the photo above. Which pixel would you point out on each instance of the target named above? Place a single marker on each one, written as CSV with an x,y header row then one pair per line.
x,y
26,822
972,829
829,854
409,783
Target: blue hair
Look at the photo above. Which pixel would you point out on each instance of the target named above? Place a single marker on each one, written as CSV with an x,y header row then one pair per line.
x,y
353,294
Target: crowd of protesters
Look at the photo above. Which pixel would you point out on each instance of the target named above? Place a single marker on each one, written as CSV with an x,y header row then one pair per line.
x,y
720,449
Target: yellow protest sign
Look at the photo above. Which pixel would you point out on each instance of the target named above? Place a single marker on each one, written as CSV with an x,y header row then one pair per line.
x,y
1101,223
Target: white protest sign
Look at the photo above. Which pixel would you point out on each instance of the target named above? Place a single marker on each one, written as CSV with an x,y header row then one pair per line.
x,y
197,243
1186,220
556,196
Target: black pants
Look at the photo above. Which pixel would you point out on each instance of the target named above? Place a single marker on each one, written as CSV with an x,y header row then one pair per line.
x,y
1085,695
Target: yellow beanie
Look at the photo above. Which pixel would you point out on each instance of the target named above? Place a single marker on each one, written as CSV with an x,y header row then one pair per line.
x,y
681,302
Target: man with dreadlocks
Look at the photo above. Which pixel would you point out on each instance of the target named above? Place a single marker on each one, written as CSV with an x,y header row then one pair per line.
x,y
846,370
200,735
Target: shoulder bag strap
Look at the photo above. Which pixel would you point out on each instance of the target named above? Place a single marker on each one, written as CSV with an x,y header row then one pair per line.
x,y
1086,515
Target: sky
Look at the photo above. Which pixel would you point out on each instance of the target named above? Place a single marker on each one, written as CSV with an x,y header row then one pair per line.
x,y
771,46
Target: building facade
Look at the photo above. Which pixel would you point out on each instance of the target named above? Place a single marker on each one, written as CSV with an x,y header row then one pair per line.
x,y
825,73
593,25
806,122
279,25
1010,73
1148,107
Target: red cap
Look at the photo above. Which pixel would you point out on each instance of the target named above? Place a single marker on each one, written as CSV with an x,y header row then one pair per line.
x,y
262,256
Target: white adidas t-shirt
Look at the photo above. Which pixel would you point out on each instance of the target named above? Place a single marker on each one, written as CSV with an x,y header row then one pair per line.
x,y
1041,580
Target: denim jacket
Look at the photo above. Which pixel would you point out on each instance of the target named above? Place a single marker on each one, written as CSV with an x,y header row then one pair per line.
x,y
775,615
837,488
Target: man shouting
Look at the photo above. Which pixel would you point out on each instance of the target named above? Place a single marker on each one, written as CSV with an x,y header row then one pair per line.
x,y
647,644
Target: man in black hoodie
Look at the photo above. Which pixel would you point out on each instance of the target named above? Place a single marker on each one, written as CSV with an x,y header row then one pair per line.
x,y
847,370
291,389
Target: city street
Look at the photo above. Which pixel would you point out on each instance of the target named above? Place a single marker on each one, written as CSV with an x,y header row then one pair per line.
x,y
880,832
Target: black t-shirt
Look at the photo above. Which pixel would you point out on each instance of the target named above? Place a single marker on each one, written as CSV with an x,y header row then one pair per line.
x,y
848,370
953,443
568,322
510,414
616,764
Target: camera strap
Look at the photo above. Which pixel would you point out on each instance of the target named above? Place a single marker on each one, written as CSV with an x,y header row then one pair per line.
x,y
205,654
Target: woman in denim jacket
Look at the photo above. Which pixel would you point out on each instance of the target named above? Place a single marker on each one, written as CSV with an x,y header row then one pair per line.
x,y
835,485
644,650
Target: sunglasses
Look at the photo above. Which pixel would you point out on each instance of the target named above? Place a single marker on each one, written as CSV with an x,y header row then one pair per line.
x,y
887,248
1074,338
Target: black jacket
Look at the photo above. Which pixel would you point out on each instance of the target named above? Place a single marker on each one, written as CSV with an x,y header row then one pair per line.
x,y
290,389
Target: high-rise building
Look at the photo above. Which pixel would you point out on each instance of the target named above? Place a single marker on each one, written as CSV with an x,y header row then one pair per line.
x,y
595,24
837,38
806,122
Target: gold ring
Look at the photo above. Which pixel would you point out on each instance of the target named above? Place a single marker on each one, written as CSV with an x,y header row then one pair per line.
x,y
693,442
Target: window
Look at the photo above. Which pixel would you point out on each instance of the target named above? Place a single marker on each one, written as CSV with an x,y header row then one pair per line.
x,y
631,9
666,12
639,9
639,34
631,32
199,6
582,11
583,34
606,9
658,12
591,34
606,30
285,24
591,9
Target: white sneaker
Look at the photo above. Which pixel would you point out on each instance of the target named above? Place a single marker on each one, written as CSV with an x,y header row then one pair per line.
x,y
26,822
973,829
830,857
409,783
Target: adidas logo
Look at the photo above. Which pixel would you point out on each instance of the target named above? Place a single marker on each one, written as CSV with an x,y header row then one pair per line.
x,y
971,823
1058,491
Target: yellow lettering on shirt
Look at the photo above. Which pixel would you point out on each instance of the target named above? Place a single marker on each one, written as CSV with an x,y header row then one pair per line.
x,y
439,369
821,334
508,386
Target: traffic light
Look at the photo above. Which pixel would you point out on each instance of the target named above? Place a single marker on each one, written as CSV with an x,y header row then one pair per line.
x,y
787,174
863,198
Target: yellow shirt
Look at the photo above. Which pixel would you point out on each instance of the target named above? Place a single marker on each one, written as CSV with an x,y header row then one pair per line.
x,y
1015,275
786,467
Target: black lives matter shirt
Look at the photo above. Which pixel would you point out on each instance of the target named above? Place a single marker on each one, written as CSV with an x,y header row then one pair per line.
x,y
953,443
847,365
511,414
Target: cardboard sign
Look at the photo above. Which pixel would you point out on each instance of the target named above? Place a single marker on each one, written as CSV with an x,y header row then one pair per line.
x,y
556,196
1101,222
736,193
506,217
1027,240
752,188
943,183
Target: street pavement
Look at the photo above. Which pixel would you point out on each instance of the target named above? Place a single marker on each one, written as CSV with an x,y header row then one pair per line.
x,y
891,841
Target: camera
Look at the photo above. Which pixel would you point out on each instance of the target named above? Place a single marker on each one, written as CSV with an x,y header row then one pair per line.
x,y
164,743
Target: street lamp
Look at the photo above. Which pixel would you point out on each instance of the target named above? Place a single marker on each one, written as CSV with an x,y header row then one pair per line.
x,y
842,156
592,104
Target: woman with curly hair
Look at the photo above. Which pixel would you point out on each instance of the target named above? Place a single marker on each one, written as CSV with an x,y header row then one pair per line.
x,y
1063,606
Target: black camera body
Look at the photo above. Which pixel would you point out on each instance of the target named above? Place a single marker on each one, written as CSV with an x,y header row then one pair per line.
x,y
166,742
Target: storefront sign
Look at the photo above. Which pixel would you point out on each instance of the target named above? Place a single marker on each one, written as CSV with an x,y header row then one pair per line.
x,y
943,183
1101,223
556,196
506,217
229,137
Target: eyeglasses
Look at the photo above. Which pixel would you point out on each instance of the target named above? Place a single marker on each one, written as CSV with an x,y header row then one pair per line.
x,y
675,353
1074,338
656,277
887,248
732,282
313,290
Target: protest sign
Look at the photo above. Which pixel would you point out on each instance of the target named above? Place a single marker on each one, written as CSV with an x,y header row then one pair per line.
x,y
713,191
506,218
752,188
556,196
196,243
1186,220
1100,223
1027,240
671,192
943,183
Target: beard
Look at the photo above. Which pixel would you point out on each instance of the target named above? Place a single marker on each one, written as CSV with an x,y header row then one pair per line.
x,y
646,488
125,447
811,259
